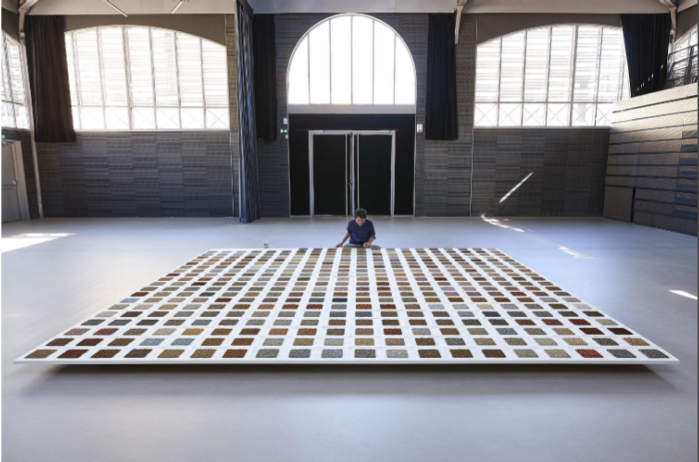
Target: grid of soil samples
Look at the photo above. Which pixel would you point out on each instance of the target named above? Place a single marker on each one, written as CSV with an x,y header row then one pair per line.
x,y
350,305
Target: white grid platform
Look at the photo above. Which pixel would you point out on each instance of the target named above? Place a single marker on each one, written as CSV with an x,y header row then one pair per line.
x,y
350,306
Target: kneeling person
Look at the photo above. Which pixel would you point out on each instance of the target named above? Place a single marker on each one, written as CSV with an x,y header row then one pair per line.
x,y
360,231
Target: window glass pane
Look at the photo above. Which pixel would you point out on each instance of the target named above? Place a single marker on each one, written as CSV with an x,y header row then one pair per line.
x,y
8,115
405,74
362,72
486,115
215,74
191,82
117,118
561,63
298,74
165,68
71,72
92,118
625,87
604,115
510,115
586,62
320,63
113,65
611,65
76,117
143,118
21,116
6,90
167,118
534,115
192,117
89,77
558,115
14,58
384,49
217,118
537,63
341,60
140,67
583,114
488,71
512,67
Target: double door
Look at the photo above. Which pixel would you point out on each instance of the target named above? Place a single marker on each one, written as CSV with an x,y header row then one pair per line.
x,y
351,170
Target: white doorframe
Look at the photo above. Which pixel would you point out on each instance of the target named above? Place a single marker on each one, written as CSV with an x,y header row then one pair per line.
x,y
352,134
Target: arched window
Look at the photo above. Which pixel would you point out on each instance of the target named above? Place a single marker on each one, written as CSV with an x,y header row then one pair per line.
x,y
351,59
14,99
551,76
145,78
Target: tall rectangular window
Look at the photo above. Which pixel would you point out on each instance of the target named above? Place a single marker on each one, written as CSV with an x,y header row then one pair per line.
x,y
14,97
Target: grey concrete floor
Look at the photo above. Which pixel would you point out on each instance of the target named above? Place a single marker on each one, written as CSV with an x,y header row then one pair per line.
x,y
341,413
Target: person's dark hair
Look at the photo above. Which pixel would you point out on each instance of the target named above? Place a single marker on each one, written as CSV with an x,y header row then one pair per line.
x,y
361,213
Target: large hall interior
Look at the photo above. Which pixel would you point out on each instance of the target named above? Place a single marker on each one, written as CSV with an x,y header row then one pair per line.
x,y
313,230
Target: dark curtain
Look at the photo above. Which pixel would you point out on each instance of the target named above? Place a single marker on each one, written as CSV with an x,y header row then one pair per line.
x,y
250,208
265,57
441,122
48,79
646,37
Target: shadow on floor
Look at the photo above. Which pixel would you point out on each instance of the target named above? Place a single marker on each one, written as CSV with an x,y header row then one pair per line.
x,y
274,380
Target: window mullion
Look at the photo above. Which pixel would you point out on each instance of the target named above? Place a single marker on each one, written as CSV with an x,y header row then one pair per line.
x,y
599,70
497,108
203,90
524,78
76,73
152,70
351,59
395,40
100,60
572,80
127,70
179,90
548,78
330,60
9,78
373,46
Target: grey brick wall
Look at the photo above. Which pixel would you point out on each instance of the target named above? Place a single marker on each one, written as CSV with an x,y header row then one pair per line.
x,y
567,166
137,174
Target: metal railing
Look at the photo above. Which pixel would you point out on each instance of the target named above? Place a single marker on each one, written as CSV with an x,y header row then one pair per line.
x,y
682,67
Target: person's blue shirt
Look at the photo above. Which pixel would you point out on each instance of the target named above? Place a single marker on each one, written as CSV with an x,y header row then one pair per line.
x,y
360,234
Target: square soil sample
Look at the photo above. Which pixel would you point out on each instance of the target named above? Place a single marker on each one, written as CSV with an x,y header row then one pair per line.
x,y
459,353
105,354
204,353
429,354
40,354
235,353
